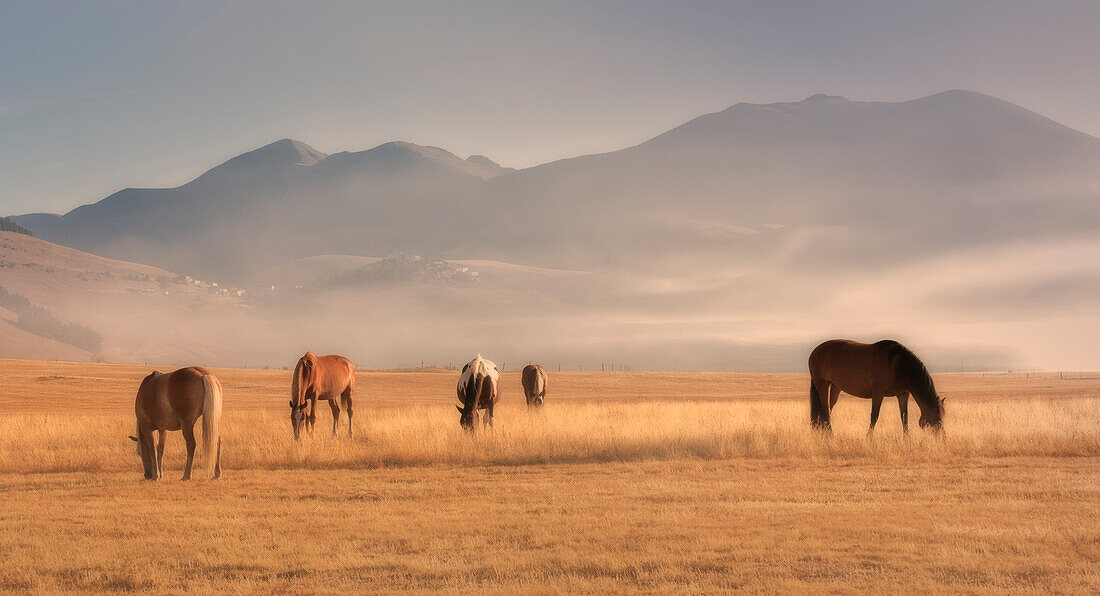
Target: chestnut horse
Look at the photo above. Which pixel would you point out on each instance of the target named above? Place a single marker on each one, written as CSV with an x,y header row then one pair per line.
x,y
871,371
174,401
477,390
534,385
327,378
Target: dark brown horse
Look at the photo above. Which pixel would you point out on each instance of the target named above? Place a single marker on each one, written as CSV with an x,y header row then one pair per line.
x,y
477,390
534,385
327,378
174,401
871,371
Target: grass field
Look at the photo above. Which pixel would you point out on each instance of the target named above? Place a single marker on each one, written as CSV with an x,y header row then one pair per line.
x,y
689,482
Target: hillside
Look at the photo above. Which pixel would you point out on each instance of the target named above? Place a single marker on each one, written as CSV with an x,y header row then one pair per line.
x,y
143,313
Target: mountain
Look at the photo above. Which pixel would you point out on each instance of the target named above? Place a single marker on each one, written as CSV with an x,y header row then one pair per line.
x,y
282,201
921,172
747,231
908,177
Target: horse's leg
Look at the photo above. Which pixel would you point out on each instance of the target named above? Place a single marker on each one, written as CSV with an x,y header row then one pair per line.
x,y
834,395
489,420
148,453
876,404
335,405
189,438
312,419
161,436
345,398
903,406
820,390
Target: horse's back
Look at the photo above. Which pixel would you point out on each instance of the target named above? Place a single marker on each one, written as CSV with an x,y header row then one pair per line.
x,y
836,349
860,369
335,374
478,382
168,400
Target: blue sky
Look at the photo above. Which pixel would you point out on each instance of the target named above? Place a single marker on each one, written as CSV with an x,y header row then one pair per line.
x,y
99,96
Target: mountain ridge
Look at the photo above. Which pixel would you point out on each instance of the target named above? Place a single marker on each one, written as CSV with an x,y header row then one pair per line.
x,y
744,167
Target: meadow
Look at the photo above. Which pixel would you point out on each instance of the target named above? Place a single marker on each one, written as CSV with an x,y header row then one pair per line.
x,y
691,482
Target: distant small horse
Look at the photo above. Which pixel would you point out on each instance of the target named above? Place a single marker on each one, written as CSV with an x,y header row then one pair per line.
x,y
534,385
327,378
174,401
871,371
477,390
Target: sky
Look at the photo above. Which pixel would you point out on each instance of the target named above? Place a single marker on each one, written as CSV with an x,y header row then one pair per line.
x,y
95,97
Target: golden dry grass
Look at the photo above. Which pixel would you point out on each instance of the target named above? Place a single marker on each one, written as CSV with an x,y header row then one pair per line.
x,y
693,482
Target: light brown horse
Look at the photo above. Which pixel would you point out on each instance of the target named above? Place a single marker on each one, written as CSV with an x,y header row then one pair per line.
x,y
871,371
327,378
174,401
477,390
534,385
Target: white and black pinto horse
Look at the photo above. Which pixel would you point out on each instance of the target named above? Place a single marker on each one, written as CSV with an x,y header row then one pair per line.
x,y
477,390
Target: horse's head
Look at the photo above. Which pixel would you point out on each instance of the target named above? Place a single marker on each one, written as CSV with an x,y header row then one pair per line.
x,y
297,415
467,417
931,416
535,401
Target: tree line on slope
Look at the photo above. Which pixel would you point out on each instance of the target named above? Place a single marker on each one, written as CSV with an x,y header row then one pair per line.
x,y
41,322
7,225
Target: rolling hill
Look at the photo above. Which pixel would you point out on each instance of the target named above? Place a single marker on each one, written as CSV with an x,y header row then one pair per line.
x,y
142,313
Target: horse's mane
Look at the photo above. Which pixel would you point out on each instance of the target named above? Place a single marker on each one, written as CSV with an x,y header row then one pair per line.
x,y
914,373
303,374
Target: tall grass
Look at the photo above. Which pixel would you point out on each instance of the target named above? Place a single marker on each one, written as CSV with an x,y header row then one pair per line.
x,y
565,433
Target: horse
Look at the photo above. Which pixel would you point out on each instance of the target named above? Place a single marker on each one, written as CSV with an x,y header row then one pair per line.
x,y
328,378
534,385
477,390
174,401
872,371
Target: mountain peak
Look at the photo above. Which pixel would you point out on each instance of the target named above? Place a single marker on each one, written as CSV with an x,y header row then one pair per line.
x,y
399,154
485,162
822,98
283,151
482,160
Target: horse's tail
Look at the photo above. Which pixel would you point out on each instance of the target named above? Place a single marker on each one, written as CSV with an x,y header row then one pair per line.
x,y
211,419
473,391
540,383
817,413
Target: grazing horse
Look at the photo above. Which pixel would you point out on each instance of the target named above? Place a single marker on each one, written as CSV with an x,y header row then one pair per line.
x,y
174,401
871,371
534,385
327,378
477,390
